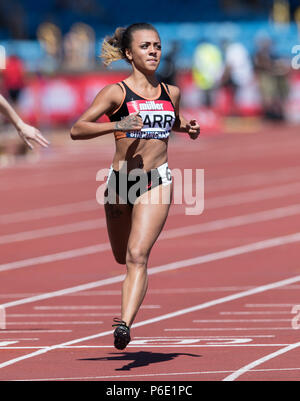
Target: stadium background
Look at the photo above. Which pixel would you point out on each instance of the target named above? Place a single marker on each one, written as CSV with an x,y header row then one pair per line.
x,y
53,70
223,299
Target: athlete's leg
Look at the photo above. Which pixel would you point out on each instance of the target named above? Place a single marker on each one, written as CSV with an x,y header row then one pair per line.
x,y
118,220
147,223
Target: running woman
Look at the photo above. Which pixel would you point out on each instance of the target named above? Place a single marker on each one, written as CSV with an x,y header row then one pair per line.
x,y
142,112
25,131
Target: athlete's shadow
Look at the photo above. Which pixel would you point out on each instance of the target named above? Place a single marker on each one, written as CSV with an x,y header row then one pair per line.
x,y
141,358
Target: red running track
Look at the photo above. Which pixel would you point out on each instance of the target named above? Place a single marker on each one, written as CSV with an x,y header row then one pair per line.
x,y
224,285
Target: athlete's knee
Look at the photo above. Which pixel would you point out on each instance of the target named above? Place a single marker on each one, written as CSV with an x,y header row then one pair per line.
x,y
136,256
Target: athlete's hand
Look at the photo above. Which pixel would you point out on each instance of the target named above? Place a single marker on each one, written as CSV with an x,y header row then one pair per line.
x,y
29,133
133,122
193,129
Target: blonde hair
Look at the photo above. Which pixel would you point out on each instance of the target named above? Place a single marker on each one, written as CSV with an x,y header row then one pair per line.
x,y
114,47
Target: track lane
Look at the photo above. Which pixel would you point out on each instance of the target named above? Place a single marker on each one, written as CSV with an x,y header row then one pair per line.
x,y
212,351
228,165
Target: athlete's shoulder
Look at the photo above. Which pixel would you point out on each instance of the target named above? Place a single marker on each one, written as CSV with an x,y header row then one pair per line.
x,y
112,93
173,92
114,90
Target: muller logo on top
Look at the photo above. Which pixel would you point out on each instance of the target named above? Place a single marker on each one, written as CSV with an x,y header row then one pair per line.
x,y
149,105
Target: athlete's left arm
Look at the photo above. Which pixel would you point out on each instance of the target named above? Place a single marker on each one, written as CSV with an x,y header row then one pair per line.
x,y
181,124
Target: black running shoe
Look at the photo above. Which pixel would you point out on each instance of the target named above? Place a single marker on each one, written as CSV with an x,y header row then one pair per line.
x,y
121,334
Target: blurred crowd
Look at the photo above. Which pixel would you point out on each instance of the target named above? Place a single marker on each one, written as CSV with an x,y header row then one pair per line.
x,y
74,51
20,18
231,66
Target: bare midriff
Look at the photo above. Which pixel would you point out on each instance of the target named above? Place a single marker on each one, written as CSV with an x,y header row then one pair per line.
x,y
145,154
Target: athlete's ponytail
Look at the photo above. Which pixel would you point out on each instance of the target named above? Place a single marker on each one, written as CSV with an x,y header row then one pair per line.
x,y
114,47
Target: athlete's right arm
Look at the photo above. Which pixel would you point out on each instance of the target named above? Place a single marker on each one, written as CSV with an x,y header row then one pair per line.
x,y
107,100
26,132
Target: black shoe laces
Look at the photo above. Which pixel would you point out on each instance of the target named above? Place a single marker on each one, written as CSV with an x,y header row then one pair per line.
x,y
119,322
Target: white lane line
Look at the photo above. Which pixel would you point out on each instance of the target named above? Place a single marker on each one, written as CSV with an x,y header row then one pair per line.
x,y
292,287
168,234
220,224
39,181
260,361
230,222
158,375
66,291
2,319
16,295
4,344
83,294
253,196
208,337
196,290
61,315
230,329
38,178
85,174
241,320
87,225
256,313
40,331
228,253
26,315
160,291
51,211
55,257
65,322
89,307
181,312
20,339
251,180
41,347
269,305
91,205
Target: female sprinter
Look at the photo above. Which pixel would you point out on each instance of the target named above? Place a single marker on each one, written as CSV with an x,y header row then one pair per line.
x,y
142,112
26,132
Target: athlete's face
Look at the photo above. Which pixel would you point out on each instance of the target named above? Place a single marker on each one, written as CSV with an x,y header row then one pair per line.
x,y
145,51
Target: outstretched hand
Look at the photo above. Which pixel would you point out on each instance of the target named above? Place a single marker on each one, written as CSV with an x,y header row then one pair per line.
x,y
29,133
193,129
